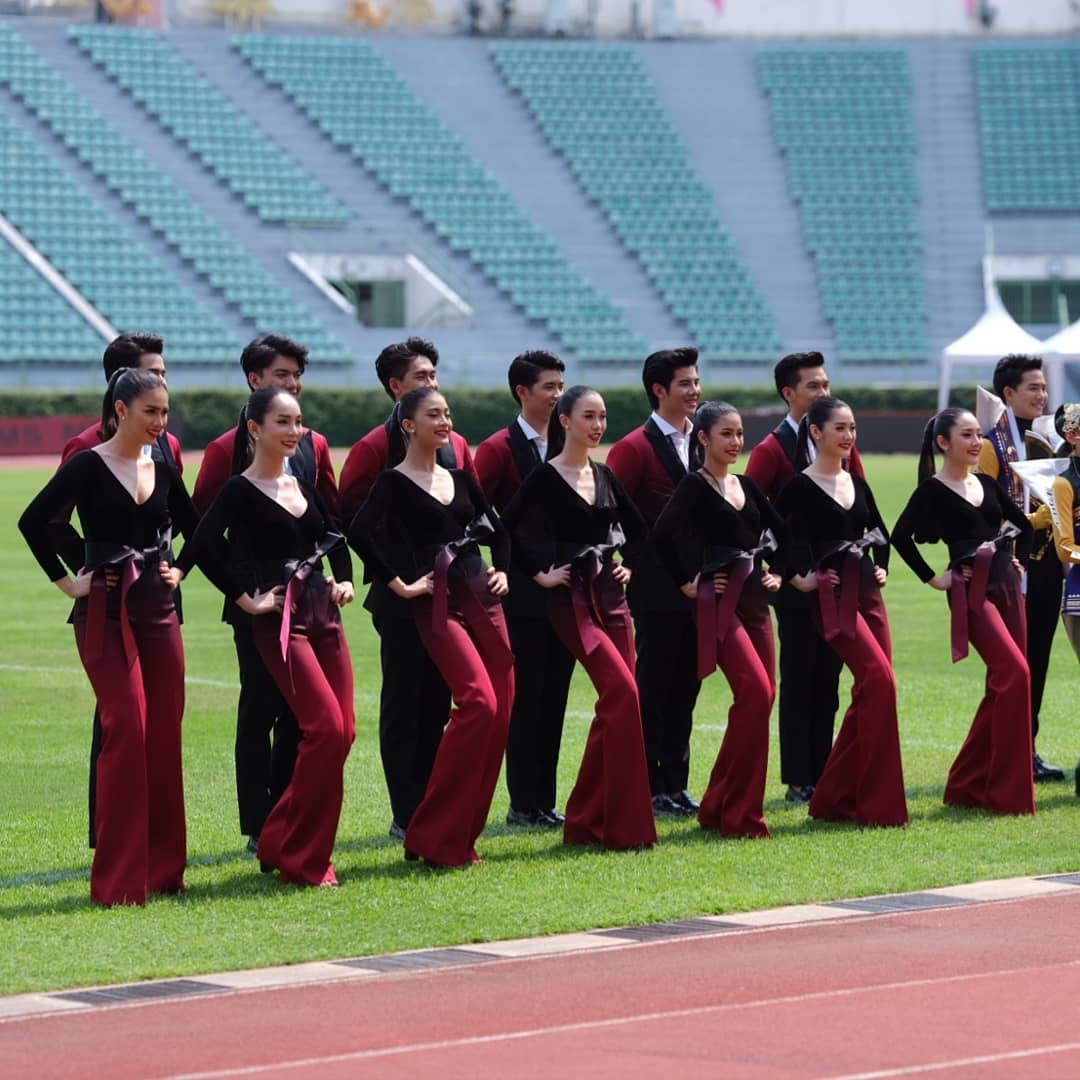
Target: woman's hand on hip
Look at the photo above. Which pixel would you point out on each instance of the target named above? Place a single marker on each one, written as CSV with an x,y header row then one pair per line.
x,y
553,577
263,603
341,592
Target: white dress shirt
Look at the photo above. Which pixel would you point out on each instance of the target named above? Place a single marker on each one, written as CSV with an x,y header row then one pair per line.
x,y
678,439
534,437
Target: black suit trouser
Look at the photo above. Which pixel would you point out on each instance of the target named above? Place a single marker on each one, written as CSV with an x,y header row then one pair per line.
x,y
543,667
1043,607
267,736
414,707
668,688
809,695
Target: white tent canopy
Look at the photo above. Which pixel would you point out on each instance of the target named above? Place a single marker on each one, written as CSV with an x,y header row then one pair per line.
x,y
1061,349
992,337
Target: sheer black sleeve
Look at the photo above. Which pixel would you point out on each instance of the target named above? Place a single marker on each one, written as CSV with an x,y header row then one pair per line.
x,y
500,540
185,518
791,505
37,523
208,547
340,560
903,534
527,520
771,520
368,526
881,551
675,530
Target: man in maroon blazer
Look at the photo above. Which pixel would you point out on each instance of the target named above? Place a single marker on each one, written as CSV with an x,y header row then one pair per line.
x,y
267,734
542,666
414,703
126,351
809,668
649,462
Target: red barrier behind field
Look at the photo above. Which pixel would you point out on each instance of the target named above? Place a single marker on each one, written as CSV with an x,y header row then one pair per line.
x,y
23,435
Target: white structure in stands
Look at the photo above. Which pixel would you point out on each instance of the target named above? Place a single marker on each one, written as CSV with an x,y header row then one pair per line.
x,y
679,18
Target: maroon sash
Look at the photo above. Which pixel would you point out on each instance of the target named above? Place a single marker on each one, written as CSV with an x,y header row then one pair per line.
x,y
298,571
838,617
714,619
475,614
129,563
968,597
586,566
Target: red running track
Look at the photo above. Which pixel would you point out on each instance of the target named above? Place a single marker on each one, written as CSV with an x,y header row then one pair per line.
x,y
985,991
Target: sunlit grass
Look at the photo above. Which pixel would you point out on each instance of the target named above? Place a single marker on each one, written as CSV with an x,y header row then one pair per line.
x,y
232,917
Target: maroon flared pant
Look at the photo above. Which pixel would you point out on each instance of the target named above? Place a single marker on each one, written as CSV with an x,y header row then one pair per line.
x,y
733,802
611,802
478,667
139,805
316,680
863,779
993,769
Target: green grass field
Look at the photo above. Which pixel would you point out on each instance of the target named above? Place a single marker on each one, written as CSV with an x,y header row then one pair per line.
x,y
233,917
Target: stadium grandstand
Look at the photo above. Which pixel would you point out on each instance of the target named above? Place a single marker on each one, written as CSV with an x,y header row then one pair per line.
x,y
597,180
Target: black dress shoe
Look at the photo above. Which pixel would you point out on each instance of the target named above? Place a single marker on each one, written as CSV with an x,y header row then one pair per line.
x,y
397,832
799,793
411,856
554,819
252,844
528,818
666,806
1043,771
689,804
1078,778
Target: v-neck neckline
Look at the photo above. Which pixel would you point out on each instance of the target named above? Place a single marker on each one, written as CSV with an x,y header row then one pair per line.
x,y
120,483
434,498
281,506
832,499
562,479
720,495
964,498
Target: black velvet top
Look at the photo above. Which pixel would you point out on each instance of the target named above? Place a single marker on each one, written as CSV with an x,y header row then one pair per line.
x,y
107,512
698,522
550,523
817,523
246,538
401,528
936,512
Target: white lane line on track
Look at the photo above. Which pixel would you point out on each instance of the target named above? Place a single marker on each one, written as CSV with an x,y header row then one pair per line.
x,y
622,1021
193,679
959,1063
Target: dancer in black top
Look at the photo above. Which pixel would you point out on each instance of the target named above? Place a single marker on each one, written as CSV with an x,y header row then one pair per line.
x,y
567,522
978,521
127,632
712,536
833,523
262,543
418,533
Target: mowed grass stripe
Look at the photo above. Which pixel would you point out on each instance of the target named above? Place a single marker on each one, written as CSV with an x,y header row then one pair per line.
x,y
233,917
